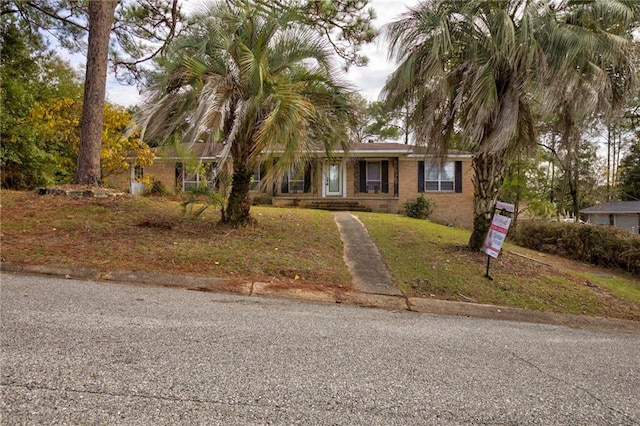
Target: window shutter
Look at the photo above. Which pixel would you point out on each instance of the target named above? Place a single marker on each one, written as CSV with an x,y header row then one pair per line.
x,y
307,177
363,176
420,176
285,184
385,176
179,176
458,178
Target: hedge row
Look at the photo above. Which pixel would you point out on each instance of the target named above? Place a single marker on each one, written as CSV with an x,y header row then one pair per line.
x,y
599,245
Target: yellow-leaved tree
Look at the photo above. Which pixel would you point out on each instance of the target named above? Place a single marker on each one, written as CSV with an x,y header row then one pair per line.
x,y
118,146
57,122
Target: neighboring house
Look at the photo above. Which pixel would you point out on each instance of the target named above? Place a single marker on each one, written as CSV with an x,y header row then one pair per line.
x,y
370,176
622,214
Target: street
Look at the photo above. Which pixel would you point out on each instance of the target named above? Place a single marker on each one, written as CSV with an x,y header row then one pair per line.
x,y
79,352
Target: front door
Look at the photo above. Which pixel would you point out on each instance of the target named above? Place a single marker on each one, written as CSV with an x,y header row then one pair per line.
x,y
333,179
136,187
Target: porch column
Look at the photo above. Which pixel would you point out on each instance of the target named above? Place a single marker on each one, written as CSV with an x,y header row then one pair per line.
x,y
324,177
396,180
344,177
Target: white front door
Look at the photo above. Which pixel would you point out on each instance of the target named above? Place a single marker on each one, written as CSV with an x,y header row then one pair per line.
x,y
333,179
136,187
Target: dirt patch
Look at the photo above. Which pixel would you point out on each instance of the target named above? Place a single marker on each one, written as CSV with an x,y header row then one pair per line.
x,y
145,234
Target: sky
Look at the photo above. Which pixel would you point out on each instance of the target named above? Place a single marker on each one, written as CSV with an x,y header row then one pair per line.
x,y
367,80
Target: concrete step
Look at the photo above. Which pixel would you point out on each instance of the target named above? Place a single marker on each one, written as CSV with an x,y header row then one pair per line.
x,y
337,206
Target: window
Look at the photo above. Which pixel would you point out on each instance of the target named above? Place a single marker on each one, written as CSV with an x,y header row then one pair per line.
x,y
257,175
204,175
296,179
374,176
439,177
138,172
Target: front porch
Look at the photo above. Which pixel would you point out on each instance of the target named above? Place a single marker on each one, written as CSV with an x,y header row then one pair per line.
x,y
381,204
342,184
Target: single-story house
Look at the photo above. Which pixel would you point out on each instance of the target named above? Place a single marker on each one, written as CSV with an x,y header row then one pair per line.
x,y
622,214
378,177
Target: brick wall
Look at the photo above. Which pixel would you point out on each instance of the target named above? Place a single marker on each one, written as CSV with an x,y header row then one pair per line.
x,y
161,171
450,207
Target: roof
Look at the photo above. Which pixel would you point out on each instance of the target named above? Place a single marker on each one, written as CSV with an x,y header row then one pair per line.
x,y
212,151
621,207
199,150
397,148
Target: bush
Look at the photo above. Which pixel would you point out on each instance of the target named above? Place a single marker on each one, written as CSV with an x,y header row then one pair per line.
x,y
200,199
599,245
420,208
157,188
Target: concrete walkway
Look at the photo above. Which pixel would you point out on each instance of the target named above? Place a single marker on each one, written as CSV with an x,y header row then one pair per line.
x,y
368,273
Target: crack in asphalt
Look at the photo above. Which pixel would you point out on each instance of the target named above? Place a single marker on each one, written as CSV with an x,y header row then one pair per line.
x,y
258,402
561,380
112,394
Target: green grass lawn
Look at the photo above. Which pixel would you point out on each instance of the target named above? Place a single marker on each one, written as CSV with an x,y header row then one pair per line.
x,y
431,260
298,247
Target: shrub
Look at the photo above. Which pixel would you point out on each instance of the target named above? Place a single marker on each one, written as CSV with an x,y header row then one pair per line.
x,y
599,245
420,208
200,199
157,188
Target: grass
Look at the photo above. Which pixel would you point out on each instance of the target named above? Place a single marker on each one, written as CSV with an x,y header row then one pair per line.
x,y
301,248
431,260
143,234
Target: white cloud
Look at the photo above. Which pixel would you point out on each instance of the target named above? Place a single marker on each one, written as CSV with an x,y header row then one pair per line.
x,y
370,79
367,80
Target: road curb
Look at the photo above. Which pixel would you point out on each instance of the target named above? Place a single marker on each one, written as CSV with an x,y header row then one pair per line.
x,y
476,310
393,303
368,300
269,290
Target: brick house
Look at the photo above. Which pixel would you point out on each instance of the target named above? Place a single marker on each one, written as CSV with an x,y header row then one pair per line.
x,y
379,177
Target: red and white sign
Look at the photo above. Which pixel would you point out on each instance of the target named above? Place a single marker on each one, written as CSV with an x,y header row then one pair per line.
x,y
496,235
501,205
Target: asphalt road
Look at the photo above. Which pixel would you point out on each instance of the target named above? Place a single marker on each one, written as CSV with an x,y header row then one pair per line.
x,y
77,352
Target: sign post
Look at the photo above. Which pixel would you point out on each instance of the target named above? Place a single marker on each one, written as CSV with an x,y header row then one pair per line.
x,y
498,230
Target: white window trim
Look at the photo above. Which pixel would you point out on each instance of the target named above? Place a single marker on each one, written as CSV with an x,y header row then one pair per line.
x,y
290,181
440,181
188,184
370,184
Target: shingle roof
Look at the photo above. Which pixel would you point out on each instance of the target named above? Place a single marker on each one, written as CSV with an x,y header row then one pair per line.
x,y
210,151
396,148
614,207
198,150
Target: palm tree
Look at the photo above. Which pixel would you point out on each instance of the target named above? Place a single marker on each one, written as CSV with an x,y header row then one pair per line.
x,y
260,85
469,67
592,59
479,68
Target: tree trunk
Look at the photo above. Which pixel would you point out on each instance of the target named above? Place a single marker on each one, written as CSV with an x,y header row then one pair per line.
x,y
573,178
489,173
239,203
101,15
608,162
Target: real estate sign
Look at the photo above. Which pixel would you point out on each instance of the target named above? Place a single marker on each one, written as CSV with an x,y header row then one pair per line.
x,y
498,230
